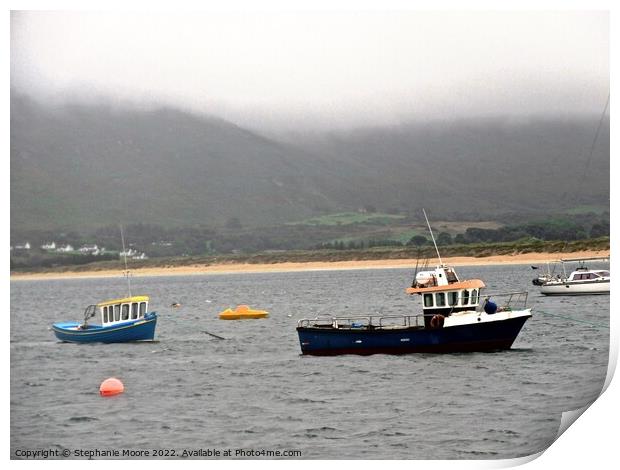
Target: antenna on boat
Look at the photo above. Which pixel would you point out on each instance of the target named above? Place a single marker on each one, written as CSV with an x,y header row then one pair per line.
x,y
432,236
126,273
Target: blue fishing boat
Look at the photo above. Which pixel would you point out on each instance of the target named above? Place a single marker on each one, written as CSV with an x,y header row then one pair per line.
x,y
456,317
122,320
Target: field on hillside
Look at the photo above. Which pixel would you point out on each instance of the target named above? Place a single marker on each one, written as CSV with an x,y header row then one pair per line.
x,y
349,218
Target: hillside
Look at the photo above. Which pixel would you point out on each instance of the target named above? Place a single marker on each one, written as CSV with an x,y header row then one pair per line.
x,y
482,169
84,166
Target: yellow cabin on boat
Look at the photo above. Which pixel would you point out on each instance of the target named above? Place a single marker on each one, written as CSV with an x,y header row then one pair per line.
x,y
242,312
119,310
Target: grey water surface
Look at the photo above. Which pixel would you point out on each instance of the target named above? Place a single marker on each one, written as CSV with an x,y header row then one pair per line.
x,y
253,390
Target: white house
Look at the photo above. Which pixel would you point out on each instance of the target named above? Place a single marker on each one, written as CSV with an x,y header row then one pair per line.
x,y
64,249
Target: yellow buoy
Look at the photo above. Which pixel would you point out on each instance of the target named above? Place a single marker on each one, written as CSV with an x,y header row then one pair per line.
x,y
242,312
110,387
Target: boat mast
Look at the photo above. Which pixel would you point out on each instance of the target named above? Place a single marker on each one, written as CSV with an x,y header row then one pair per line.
x,y
432,237
126,272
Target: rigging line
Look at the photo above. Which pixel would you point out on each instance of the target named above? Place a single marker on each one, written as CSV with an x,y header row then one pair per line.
x,y
598,129
126,273
599,325
432,237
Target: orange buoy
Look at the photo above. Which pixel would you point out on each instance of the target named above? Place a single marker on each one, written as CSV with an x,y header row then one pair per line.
x,y
110,387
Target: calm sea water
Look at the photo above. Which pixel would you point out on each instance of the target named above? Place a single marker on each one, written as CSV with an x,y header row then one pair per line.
x,y
254,391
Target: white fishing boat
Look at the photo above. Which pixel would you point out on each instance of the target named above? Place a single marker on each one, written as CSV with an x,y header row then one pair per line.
x,y
581,281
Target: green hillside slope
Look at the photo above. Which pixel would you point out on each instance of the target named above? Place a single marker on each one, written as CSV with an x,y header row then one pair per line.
x,y
84,166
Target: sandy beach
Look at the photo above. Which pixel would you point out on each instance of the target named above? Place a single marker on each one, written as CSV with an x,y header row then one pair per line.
x,y
528,258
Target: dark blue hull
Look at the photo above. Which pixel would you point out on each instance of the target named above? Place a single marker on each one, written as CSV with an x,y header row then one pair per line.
x,y
486,336
138,330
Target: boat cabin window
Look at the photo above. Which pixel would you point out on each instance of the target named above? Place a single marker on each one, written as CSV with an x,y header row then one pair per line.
x,y
583,277
465,295
118,312
428,300
440,299
604,273
453,298
474,296
125,308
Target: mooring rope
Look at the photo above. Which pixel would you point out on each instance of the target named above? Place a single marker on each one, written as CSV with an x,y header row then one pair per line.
x,y
565,317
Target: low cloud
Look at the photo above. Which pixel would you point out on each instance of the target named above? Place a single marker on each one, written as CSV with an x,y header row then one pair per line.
x,y
319,69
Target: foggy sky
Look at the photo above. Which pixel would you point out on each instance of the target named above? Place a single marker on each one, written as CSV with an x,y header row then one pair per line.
x,y
320,69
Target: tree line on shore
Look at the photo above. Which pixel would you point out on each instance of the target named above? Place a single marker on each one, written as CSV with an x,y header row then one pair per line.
x,y
552,230
180,242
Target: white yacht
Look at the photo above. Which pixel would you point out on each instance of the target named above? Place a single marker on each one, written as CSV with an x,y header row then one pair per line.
x,y
581,281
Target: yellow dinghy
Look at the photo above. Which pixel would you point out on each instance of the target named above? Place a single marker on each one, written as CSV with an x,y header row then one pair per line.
x,y
242,312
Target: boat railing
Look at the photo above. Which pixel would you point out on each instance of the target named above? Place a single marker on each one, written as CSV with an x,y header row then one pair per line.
x,y
402,321
89,312
365,321
329,320
505,300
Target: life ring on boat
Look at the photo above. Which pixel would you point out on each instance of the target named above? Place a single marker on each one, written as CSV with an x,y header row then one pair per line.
x,y
437,321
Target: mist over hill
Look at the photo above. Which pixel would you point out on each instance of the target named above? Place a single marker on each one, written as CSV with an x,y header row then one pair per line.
x,y
480,168
84,166
88,166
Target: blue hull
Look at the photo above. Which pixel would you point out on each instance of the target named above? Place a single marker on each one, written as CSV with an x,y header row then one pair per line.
x,y
137,330
488,336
